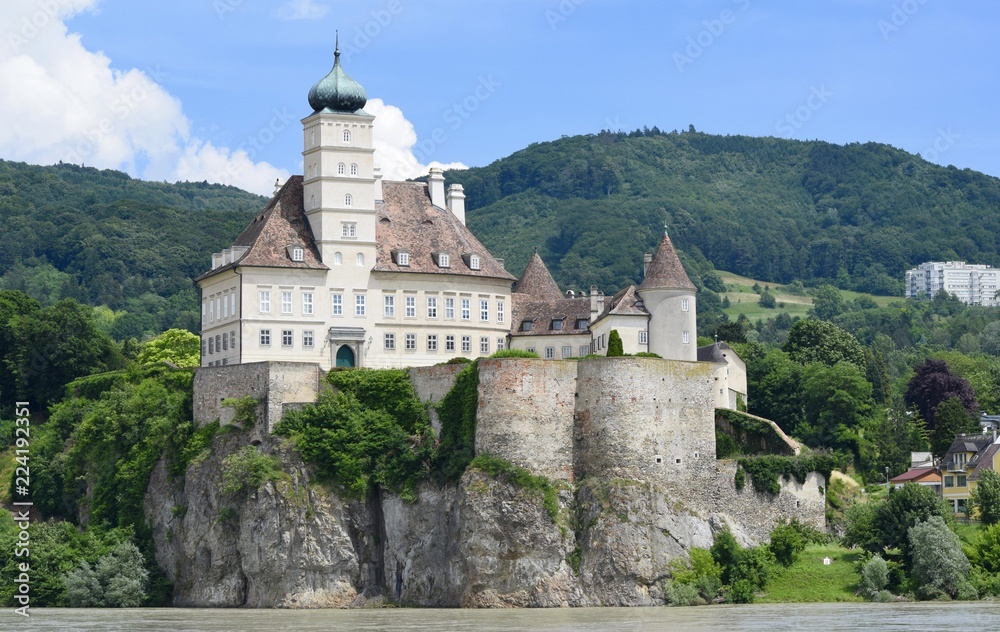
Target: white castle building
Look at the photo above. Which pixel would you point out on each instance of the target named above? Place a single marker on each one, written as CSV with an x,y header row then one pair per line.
x,y
344,269
973,284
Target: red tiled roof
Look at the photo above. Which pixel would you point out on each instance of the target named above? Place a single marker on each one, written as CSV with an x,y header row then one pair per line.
x,y
541,313
625,303
666,271
537,281
406,220
917,473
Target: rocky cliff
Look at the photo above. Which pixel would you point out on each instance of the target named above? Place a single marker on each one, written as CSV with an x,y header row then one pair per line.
x,y
479,542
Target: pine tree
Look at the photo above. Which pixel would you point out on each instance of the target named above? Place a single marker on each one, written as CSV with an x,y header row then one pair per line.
x,y
615,347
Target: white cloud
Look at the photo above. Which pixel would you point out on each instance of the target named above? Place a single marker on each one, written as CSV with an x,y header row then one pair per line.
x,y
70,105
395,143
303,10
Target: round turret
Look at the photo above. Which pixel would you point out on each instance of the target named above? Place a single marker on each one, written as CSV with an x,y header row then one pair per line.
x,y
337,92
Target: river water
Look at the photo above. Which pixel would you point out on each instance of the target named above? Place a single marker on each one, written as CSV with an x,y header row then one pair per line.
x,y
978,616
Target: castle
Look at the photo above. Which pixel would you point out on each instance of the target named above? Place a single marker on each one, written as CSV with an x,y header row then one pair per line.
x,y
344,269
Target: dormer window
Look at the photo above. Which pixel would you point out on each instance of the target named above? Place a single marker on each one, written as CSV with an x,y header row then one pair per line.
x,y
402,258
296,253
581,323
443,260
557,324
526,325
473,262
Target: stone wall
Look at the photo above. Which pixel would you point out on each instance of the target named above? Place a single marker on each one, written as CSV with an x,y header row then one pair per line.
x,y
274,384
644,419
526,411
432,383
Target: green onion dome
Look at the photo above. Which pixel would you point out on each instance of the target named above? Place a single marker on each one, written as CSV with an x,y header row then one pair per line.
x,y
337,92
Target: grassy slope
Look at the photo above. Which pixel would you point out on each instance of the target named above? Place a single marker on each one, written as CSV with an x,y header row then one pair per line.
x,y
809,581
743,300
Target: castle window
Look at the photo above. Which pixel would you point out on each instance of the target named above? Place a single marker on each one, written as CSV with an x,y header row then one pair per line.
x,y
265,301
225,307
484,344
530,349
411,306
307,303
432,307
347,136
432,342
211,346
349,229
643,337
287,337
359,305
232,339
354,169
474,262
337,304
466,309
225,342
232,303
360,259
211,310
526,325
685,337
218,343
567,352
265,337
340,169
204,310
466,344
286,302
298,254
550,353
449,309
348,200
444,261
501,344
581,323
389,310
557,324
484,310
389,342
308,339
225,361
411,342
500,312
584,350
685,304
449,343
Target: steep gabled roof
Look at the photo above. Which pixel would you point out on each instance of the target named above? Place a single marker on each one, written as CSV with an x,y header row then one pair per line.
x,y
537,282
666,271
625,303
985,461
917,473
407,221
281,224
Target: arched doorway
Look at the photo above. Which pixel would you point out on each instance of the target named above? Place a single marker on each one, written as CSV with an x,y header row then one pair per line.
x,y
345,357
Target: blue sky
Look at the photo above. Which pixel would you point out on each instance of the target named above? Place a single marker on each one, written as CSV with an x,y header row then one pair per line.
x,y
215,89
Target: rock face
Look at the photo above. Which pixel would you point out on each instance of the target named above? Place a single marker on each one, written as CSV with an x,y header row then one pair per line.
x,y
480,542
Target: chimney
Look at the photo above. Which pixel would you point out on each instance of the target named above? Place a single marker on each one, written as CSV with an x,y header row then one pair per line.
x,y
378,184
646,260
435,184
456,201
277,186
600,302
596,302
502,262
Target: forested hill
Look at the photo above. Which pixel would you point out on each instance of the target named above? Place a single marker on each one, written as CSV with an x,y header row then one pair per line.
x,y
104,238
857,216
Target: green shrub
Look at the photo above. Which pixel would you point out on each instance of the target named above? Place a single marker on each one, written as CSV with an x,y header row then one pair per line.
x,y
786,544
938,565
883,596
514,353
457,411
615,346
874,577
741,592
120,580
725,552
740,479
678,594
767,471
246,470
244,410
693,580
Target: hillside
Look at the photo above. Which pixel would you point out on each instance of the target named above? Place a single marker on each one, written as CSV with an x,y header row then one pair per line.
x,y
857,215
104,238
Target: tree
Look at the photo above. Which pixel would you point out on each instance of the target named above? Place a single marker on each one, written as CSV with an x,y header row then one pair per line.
x,y
176,346
938,563
986,498
814,340
828,303
951,419
989,339
119,580
767,300
874,577
836,400
774,379
615,347
933,383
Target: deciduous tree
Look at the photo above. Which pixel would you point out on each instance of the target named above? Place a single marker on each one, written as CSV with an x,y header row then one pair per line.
x,y
932,384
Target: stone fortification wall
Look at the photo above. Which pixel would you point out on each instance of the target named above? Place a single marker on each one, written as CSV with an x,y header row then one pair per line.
x,y
526,410
272,383
644,419
432,383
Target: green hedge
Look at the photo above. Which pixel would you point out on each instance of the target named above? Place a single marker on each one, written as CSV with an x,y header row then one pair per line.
x,y
740,434
766,472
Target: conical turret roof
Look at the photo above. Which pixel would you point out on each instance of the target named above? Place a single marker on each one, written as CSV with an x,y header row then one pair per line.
x,y
666,271
537,281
